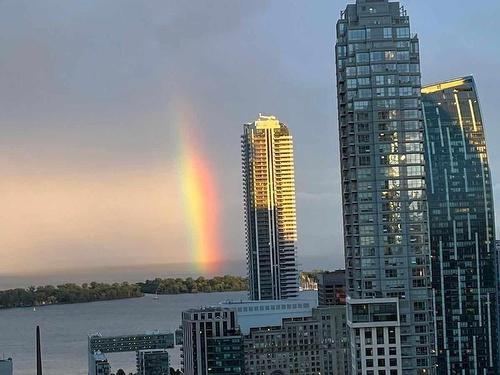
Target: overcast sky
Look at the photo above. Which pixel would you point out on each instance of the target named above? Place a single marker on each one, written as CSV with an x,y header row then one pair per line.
x,y
89,148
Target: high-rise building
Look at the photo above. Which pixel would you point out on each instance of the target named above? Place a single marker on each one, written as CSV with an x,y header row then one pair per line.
x,y
331,288
269,197
462,228
389,294
212,342
6,367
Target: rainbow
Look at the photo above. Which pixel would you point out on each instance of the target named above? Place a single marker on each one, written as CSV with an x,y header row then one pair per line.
x,y
200,201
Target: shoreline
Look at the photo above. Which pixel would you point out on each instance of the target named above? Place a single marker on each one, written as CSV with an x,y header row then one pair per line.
x,y
71,293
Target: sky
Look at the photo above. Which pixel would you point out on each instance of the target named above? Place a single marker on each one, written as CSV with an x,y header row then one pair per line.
x,y
117,118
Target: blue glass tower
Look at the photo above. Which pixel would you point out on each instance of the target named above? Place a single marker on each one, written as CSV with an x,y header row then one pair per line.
x,y
462,228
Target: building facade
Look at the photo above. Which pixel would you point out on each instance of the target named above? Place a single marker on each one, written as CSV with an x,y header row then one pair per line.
x,y
334,341
331,288
383,184
99,364
99,345
252,314
153,362
462,228
270,217
211,342
308,345
6,366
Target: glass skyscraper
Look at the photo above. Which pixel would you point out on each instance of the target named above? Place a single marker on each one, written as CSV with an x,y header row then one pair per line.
x,y
389,294
270,218
462,228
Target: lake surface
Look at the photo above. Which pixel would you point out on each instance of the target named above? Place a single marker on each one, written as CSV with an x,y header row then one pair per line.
x,y
65,329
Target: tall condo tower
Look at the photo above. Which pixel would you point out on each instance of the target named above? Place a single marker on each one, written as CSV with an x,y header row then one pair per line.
x,y
389,294
462,228
270,220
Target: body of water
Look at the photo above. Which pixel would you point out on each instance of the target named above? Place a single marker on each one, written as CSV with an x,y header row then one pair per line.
x,y
65,329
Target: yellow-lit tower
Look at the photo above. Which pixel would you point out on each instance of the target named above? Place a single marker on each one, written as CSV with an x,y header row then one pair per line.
x,y
270,216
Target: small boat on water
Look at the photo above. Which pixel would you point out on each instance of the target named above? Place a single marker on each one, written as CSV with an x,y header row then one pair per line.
x,y
156,297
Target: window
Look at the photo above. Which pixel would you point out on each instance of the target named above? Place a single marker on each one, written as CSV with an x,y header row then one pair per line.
x,y
420,329
362,57
402,32
390,55
351,83
403,55
351,71
364,160
356,34
413,136
414,147
377,56
410,114
403,68
364,173
361,105
414,171
409,103
341,51
363,70
363,81
367,240
405,91
364,93
379,80
364,149
387,32
414,159
380,336
363,127
391,273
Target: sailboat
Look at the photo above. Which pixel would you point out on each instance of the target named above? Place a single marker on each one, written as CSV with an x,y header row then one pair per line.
x,y
156,297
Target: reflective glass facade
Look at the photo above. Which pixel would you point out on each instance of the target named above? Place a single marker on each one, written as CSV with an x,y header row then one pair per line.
x,y
383,184
462,228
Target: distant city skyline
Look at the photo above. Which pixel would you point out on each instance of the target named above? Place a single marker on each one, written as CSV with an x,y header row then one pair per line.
x,y
91,153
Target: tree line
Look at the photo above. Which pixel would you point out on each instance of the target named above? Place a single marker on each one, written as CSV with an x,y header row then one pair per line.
x,y
199,285
73,293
